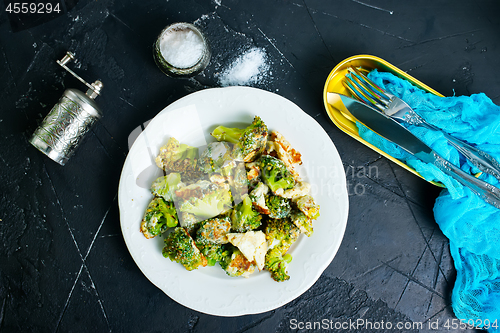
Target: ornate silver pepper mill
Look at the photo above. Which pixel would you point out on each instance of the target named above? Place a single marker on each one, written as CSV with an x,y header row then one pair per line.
x,y
69,120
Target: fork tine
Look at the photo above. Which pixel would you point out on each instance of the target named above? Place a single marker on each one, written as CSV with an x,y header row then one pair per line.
x,y
359,94
359,91
370,85
360,83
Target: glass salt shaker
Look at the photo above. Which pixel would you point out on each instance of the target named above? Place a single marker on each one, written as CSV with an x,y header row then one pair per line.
x,y
181,50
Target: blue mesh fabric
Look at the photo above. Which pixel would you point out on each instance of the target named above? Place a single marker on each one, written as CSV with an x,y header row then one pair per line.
x,y
472,225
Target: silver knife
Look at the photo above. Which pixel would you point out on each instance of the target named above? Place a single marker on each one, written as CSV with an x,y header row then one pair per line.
x,y
393,131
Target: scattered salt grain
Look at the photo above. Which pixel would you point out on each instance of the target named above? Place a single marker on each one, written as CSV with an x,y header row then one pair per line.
x,y
248,68
181,48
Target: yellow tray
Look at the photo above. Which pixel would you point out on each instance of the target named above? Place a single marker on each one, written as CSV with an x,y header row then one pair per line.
x,y
342,118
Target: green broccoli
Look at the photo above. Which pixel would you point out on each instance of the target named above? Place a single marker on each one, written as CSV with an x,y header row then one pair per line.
x,y
159,216
235,263
277,264
177,157
214,230
213,252
165,186
275,173
204,199
280,234
249,142
279,207
244,217
180,247
307,205
302,222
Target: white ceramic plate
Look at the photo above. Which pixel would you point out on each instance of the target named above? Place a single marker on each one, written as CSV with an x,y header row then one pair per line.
x,y
190,120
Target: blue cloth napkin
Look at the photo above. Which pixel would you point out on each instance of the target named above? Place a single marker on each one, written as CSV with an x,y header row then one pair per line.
x,y
472,225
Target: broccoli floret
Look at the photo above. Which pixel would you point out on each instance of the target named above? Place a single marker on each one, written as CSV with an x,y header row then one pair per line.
x,y
216,157
276,264
244,217
214,230
249,142
280,234
302,222
235,263
275,173
165,186
307,205
213,252
180,247
279,207
204,199
177,157
159,216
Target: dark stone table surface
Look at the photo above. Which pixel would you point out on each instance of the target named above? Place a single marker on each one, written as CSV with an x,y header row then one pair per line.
x,y
64,265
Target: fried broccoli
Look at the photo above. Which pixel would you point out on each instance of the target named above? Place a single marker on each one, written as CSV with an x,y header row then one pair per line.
x,y
300,188
307,205
177,157
214,230
165,186
279,207
277,264
275,173
249,142
244,217
280,234
235,263
302,222
213,252
159,216
180,247
216,157
204,199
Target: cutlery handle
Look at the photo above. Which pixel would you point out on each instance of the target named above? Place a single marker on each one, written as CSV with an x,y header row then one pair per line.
x,y
480,159
486,191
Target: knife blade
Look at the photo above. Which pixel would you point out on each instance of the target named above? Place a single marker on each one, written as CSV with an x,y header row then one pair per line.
x,y
399,135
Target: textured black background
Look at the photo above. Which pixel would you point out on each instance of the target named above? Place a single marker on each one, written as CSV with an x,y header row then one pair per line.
x,y
64,264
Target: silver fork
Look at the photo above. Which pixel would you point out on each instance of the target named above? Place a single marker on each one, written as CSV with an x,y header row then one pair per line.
x,y
368,92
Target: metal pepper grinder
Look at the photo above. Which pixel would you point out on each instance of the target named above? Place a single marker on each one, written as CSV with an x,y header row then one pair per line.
x,y
69,120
